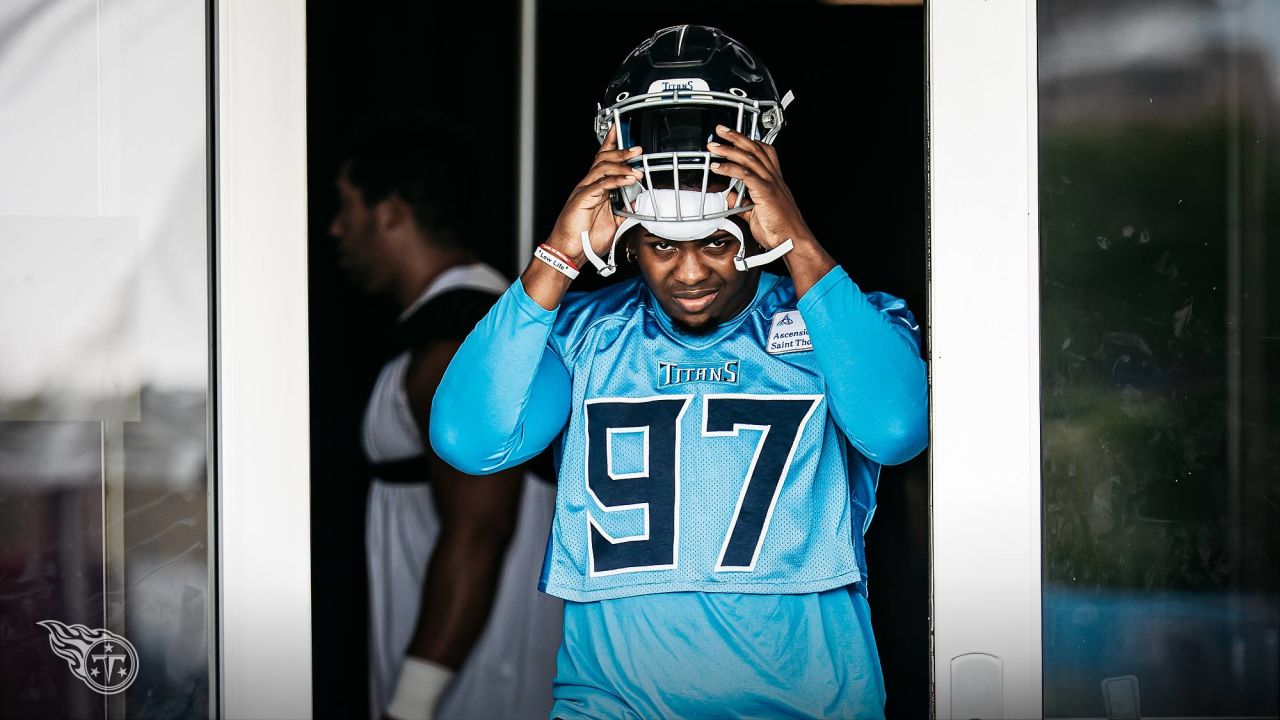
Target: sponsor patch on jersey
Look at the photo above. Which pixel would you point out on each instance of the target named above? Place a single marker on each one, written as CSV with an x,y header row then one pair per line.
x,y
788,334
670,373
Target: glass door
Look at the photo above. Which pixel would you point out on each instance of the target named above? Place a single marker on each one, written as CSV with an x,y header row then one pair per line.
x,y
1105,370
106,598
1160,465
154,528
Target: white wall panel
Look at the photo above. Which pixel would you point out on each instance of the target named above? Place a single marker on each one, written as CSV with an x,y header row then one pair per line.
x,y
984,359
263,409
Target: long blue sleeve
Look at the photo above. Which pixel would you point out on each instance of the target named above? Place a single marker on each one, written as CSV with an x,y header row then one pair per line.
x,y
868,348
505,396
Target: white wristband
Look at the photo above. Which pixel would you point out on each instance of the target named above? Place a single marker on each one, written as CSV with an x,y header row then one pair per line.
x,y
418,689
555,262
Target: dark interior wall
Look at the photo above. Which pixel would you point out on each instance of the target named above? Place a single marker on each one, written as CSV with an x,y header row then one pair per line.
x,y
853,154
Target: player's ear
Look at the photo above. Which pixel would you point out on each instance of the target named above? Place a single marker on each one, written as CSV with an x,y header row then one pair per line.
x,y
392,213
631,243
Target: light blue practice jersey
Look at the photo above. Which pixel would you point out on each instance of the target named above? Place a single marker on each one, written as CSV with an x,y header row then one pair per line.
x,y
706,463
697,472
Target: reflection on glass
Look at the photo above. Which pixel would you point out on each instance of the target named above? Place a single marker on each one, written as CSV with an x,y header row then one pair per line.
x,y
1160,345
104,521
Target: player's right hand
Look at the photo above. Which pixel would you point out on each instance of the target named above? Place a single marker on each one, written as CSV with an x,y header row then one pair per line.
x,y
588,205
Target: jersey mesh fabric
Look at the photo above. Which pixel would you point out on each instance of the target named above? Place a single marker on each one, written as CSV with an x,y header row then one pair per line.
x,y
703,655
615,344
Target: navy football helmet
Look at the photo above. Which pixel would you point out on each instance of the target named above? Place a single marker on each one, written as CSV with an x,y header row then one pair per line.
x,y
668,96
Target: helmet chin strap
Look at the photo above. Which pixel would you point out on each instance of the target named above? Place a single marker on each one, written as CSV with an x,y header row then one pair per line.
x,y
605,268
742,262
681,230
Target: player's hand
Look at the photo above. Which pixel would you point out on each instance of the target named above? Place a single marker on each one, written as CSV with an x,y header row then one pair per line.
x,y
588,205
775,217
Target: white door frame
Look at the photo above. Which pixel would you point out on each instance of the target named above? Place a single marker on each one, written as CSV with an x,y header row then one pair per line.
x,y
984,311
262,487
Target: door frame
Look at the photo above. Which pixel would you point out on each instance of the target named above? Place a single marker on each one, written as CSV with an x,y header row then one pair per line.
x,y
984,358
984,312
262,482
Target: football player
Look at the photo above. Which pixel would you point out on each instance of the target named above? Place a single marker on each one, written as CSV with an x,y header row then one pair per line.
x,y
720,429
455,628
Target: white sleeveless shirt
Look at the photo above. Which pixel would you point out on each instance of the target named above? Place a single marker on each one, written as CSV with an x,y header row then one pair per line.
x,y
509,671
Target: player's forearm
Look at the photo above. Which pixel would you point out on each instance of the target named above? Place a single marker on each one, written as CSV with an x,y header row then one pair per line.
x,y
504,396
877,383
807,263
546,285
457,597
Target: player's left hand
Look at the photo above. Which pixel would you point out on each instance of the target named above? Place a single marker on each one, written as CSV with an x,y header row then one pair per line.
x,y
775,217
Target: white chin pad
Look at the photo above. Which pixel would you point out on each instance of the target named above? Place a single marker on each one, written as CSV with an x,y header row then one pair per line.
x,y
662,204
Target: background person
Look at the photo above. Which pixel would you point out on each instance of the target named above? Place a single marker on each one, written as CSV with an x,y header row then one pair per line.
x,y
454,617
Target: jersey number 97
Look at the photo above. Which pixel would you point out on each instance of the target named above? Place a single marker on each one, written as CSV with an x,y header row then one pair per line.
x,y
654,487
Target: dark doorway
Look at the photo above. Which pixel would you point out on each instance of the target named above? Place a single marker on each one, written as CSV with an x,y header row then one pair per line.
x,y
853,153
366,61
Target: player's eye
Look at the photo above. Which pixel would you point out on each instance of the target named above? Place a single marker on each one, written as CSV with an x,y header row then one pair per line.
x,y
662,246
716,243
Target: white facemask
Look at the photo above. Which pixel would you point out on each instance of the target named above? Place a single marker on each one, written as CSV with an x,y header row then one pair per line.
x,y
678,210
677,225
